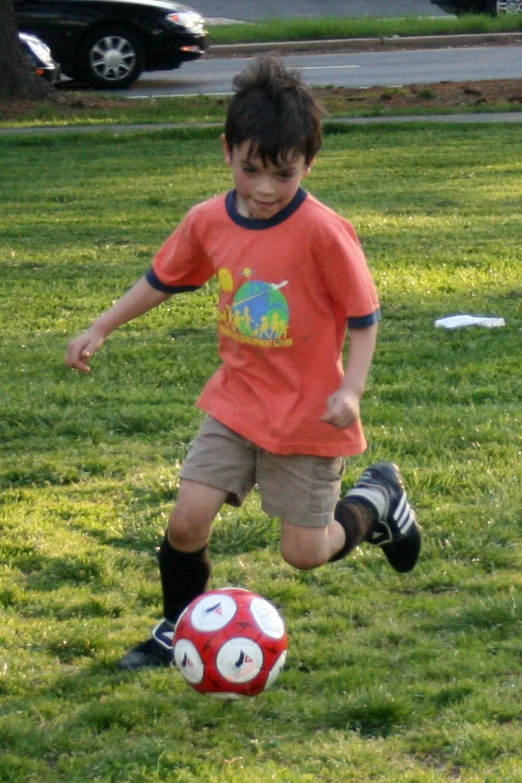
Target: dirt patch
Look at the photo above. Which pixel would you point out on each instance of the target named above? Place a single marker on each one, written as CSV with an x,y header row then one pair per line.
x,y
440,97
65,105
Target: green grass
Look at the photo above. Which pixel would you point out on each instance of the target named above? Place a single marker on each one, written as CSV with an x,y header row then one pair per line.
x,y
409,679
365,27
106,109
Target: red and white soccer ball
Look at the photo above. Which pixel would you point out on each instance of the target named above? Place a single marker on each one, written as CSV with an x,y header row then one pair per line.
x,y
230,643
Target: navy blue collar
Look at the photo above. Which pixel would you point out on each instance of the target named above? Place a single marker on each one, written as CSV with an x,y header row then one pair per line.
x,y
254,223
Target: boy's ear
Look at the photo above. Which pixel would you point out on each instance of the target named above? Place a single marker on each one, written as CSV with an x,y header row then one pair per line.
x,y
309,167
226,150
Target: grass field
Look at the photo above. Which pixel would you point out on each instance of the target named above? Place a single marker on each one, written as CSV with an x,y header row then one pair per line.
x,y
408,679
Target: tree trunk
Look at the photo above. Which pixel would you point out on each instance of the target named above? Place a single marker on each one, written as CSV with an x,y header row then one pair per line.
x,y
17,78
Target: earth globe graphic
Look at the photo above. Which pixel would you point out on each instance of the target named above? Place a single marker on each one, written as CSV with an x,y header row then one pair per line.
x,y
261,309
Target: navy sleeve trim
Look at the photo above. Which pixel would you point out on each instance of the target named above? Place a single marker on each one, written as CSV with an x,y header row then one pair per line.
x,y
363,321
153,280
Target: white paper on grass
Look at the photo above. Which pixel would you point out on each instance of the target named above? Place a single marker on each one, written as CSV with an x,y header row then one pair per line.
x,y
458,321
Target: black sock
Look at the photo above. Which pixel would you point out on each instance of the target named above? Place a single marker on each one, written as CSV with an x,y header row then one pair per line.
x,y
184,576
357,519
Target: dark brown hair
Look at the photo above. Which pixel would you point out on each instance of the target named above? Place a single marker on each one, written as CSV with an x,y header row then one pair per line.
x,y
275,111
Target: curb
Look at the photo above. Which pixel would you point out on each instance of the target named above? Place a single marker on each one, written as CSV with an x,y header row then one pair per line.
x,y
367,44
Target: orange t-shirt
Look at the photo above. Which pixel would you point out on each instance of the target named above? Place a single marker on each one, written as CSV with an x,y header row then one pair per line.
x,y
288,288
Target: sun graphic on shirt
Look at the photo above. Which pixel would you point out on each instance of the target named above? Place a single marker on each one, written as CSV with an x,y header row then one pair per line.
x,y
226,281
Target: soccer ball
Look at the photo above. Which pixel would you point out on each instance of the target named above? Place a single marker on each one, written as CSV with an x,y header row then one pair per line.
x,y
230,643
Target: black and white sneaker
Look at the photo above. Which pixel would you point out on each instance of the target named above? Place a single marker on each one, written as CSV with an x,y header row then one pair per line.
x,y
396,529
154,651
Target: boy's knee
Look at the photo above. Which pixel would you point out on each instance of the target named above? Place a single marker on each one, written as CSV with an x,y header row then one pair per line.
x,y
301,558
186,532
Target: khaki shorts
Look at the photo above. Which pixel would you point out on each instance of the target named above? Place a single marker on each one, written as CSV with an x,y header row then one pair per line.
x,y
298,488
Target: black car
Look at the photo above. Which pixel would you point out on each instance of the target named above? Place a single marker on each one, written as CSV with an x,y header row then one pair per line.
x,y
491,7
108,43
40,57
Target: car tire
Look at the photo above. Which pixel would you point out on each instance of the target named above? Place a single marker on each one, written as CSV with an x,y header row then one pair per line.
x,y
503,7
111,58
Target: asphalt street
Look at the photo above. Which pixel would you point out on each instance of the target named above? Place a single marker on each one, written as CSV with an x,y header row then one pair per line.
x,y
383,68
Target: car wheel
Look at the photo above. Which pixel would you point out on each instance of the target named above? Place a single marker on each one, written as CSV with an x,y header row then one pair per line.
x,y
503,7
111,58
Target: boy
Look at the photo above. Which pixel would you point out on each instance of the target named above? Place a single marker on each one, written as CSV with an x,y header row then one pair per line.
x,y
280,411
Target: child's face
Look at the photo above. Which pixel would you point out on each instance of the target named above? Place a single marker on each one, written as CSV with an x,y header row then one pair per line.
x,y
263,190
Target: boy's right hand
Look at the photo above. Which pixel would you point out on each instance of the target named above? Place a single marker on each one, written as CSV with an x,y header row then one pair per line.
x,y
82,348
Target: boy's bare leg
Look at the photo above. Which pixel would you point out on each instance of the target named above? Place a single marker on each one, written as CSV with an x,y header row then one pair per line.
x,y
191,519
310,547
183,559
184,568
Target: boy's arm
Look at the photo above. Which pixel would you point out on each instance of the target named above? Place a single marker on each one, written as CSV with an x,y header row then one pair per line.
x,y
141,298
343,406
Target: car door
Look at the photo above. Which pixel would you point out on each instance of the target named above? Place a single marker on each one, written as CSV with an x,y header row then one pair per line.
x,y
58,24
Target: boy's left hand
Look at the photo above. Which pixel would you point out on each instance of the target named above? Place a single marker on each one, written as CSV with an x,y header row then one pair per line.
x,y
343,408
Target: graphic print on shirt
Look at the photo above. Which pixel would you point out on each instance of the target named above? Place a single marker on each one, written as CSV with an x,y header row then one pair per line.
x,y
258,313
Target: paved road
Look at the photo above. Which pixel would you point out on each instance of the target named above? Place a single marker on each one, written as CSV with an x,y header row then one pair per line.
x,y
255,10
356,69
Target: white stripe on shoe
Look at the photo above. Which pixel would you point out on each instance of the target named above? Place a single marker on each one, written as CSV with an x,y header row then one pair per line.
x,y
404,516
401,507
